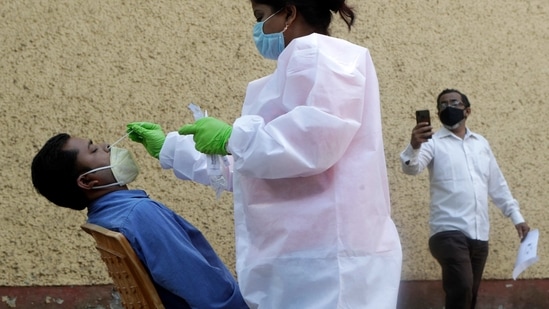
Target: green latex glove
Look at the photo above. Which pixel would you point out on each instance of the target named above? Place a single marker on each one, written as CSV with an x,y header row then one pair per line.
x,y
149,134
210,135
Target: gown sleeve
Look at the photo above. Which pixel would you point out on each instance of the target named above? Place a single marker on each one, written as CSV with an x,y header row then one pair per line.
x,y
313,120
178,153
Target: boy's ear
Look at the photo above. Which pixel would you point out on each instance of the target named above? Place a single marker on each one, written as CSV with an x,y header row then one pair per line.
x,y
86,182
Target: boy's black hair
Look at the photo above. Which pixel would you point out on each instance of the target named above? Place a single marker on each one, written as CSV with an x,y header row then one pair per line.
x,y
54,174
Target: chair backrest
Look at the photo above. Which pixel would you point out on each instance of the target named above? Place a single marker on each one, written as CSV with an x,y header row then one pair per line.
x,y
126,270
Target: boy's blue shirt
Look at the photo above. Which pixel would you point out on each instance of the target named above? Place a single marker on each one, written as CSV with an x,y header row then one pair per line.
x,y
186,271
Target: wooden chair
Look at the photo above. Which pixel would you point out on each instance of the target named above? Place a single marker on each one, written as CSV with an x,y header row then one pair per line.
x,y
128,274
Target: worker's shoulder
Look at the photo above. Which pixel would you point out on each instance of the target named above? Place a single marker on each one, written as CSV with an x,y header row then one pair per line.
x,y
320,41
316,49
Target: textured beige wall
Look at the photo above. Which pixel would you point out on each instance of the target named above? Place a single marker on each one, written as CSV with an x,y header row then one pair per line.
x,y
89,67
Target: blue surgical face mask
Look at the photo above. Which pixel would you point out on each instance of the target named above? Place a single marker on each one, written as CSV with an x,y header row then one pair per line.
x,y
269,45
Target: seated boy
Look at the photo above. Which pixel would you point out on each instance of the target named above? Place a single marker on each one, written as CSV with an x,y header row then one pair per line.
x,y
76,173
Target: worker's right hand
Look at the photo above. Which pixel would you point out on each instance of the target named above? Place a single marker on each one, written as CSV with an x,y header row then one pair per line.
x,y
420,134
149,134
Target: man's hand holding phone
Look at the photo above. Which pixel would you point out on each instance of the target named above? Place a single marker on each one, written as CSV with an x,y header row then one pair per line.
x,y
423,130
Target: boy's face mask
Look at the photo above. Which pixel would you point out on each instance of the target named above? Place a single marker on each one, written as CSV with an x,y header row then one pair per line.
x,y
123,167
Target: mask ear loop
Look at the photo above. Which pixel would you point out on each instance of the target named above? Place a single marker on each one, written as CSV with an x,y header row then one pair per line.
x,y
119,140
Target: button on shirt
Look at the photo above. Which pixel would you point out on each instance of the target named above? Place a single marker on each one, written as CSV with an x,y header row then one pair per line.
x,y
463,173
186,271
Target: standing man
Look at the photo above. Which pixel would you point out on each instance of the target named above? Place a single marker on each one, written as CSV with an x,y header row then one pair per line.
x,y
463,172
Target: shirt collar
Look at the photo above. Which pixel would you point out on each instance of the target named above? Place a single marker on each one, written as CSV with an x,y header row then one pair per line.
x,y
114,197
446,133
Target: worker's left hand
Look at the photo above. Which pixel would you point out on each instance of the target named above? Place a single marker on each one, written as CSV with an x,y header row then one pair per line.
x,y
210,135
522,229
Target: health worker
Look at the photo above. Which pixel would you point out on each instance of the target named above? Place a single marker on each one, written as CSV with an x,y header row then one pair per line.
x,y
311,198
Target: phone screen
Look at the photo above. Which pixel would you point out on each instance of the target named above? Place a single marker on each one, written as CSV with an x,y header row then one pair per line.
x,y
423,116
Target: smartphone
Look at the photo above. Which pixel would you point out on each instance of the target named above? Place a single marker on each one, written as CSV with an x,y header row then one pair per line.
x,y
423,116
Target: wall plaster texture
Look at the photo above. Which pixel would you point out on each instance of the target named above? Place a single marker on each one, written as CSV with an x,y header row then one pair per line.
x,y
90,67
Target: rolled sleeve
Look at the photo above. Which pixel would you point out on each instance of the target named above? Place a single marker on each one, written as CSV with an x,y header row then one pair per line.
x,y
409,160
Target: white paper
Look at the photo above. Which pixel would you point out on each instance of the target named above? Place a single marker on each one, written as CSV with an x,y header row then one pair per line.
x,y
527,253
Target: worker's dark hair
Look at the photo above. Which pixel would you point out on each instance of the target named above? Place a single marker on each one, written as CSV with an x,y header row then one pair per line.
x,y
317,13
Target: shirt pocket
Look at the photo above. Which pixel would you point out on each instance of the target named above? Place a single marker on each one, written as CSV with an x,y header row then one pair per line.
x,y
482,163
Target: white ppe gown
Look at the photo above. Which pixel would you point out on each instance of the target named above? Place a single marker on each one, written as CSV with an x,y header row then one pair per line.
x,y
311,198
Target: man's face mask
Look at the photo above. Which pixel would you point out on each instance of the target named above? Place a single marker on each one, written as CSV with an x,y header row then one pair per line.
x,y
269,45
123,167
450,117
